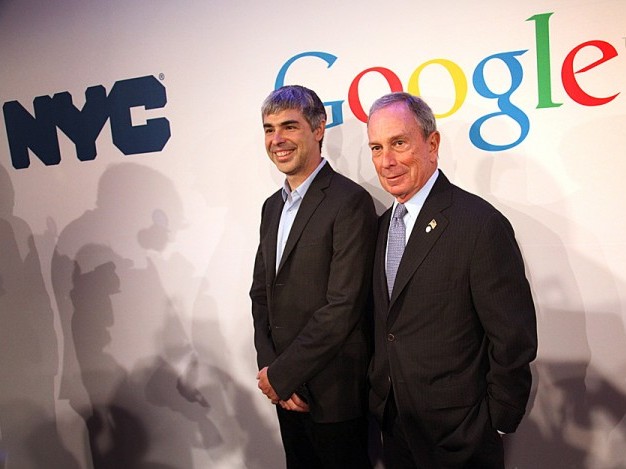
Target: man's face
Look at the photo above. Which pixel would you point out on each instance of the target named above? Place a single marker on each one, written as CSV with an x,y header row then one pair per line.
x,y
403,159
292,145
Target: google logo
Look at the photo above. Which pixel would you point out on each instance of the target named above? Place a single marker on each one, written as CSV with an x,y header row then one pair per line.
x,y
569,79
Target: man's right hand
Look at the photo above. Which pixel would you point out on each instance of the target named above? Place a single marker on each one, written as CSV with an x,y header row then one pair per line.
x,y
265,386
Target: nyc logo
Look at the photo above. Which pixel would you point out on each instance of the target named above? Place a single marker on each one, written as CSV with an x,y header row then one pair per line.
x,y
38,133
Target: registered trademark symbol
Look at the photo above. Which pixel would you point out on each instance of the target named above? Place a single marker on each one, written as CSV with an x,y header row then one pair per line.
x,y
161,76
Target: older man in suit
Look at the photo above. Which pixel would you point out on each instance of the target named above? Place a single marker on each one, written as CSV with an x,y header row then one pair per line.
x,y
312,278
455,326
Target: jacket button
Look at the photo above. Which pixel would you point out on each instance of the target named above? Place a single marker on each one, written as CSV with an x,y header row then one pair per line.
x,y
391,337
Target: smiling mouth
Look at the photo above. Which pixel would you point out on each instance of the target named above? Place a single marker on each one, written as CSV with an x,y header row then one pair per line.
x,y
281,153
394,177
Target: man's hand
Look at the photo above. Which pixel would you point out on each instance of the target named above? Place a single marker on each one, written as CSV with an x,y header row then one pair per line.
x,y
265,386
295,404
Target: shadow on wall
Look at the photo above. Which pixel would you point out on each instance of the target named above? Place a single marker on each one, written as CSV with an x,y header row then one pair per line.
x,y
28,349
576,417
148,396
577,421
259,442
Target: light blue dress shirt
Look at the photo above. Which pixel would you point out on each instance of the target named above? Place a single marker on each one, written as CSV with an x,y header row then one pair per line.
x,y
293,199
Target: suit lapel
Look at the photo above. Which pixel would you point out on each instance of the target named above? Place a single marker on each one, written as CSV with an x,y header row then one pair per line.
x,y
379,259
274,210
424,235
313,197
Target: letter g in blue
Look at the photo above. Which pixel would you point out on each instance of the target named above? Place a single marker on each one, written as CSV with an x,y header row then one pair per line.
x,y
504,102
335,106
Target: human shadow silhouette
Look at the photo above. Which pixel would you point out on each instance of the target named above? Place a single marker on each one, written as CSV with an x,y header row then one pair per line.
x,y
111,303
28,348
148,394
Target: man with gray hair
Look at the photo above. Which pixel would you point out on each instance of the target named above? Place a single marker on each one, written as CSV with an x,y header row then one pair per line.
x,y
454,320
311,282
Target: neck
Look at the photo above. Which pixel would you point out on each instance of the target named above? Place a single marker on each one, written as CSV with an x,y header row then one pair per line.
x,y
296,180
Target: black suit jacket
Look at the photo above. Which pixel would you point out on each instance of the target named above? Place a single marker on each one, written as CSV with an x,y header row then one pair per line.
x,y
459,330
309,316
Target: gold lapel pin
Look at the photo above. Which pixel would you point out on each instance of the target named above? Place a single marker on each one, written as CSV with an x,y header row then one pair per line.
x,y
431,225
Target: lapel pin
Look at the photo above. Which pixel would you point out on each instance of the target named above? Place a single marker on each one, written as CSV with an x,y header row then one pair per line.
x,y
431,226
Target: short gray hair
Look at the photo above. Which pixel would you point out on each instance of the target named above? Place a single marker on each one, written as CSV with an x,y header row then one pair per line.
x,y
422,111
296,97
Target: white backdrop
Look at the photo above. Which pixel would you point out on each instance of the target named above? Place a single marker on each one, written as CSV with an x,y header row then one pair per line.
x,y
115,272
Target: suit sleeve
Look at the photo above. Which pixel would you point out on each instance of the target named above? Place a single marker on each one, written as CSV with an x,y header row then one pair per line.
x,y
354,235
503,300
260,312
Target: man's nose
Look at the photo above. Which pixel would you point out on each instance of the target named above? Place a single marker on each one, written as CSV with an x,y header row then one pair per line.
x,y
277,137
387,158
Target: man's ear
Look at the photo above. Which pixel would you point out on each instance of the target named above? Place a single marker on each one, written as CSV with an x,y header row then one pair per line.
x,y
319,132
433,142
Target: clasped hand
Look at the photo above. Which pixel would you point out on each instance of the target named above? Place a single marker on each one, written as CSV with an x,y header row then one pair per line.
x,y
294,403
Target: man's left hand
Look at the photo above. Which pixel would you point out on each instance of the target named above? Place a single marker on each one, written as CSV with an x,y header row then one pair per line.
x,y
295,404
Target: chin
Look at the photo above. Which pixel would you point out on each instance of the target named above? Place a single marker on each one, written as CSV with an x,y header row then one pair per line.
x,y
395,192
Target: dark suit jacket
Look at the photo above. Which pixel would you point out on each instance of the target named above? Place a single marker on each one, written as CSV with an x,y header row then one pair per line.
x,y
309,317
459,330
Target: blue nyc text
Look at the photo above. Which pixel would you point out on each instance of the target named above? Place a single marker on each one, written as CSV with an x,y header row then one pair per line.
x,y
38,133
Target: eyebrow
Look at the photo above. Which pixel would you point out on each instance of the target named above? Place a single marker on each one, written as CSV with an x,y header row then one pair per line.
x,y
282,124
389,139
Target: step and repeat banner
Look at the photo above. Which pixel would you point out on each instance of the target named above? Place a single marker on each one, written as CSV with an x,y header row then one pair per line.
x,y
133,169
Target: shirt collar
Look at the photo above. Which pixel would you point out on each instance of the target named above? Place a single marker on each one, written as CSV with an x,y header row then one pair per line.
x,y
301,190
414,204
